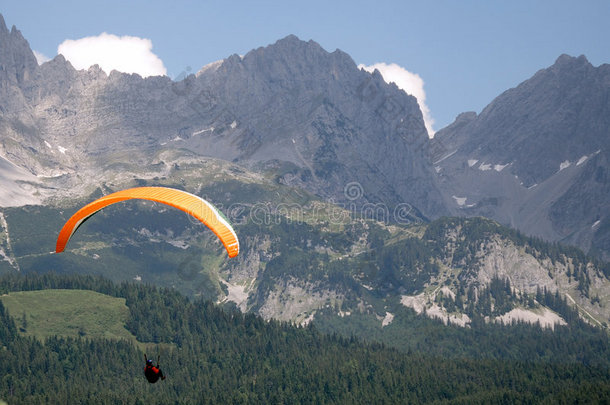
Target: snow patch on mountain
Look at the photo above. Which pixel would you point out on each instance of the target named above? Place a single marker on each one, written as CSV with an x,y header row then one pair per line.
x,y
461,201
202,131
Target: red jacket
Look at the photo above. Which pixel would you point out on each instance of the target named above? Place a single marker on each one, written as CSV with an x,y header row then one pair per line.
x,y
152,373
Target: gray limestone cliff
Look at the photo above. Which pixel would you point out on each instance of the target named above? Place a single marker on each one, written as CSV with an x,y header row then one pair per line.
x,y
309,115
536,158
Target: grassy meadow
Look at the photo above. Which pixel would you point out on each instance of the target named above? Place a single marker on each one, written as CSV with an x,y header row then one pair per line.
x,y
68,313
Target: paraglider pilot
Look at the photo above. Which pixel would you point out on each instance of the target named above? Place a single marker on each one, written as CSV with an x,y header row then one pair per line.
x,y
151,372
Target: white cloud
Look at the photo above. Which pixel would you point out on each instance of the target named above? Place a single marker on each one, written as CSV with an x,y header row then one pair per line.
x,y
411,83
41,58
126,54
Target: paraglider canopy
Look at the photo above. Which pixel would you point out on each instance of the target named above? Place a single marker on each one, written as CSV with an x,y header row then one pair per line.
x,y
189,203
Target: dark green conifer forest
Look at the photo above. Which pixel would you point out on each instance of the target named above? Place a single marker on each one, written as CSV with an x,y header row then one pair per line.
x,y
214,356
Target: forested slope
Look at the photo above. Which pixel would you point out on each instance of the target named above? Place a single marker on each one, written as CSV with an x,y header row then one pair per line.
x,y
215,356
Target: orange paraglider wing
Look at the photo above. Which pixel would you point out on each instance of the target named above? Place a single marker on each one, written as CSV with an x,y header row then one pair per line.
x,y
189,203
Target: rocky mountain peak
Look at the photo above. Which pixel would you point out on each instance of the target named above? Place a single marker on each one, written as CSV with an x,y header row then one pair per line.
x,y
16,57
338,124
569,70
327,122
292,60
59,62
3,28
291,41
291,45
560,114
565,60
530,158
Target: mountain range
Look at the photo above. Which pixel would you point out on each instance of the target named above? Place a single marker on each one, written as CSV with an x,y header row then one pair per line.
x,y
340,198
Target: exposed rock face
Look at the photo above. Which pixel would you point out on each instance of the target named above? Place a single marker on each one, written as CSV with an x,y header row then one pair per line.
x,y
312,115
504,260
18,62
296,301
301,104
559,115
528,270
536,157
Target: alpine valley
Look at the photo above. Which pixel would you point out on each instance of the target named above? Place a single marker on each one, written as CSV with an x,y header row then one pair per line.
x,y
349,216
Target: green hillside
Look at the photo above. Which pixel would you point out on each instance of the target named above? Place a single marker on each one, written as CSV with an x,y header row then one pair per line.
x,y
69,313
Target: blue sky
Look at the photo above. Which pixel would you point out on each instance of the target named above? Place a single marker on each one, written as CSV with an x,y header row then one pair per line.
x,y
465,52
